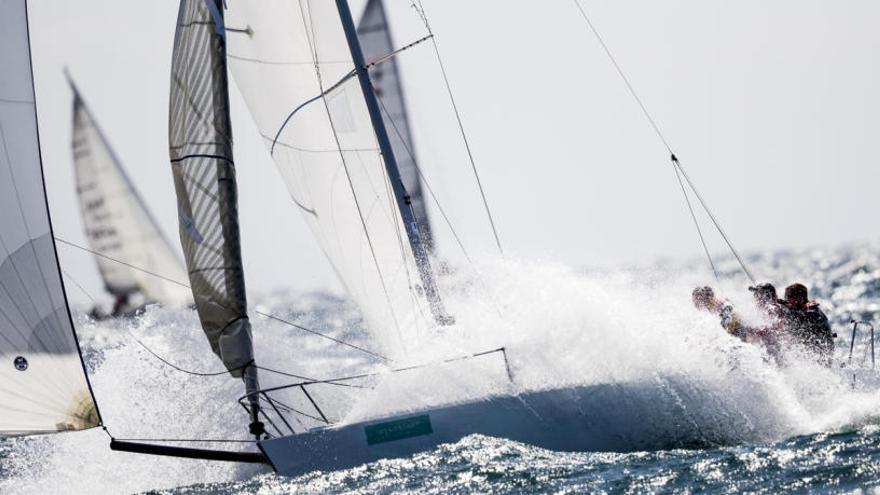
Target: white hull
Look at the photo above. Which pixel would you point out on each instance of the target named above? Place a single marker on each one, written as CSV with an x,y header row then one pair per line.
x,y
611,417
533,419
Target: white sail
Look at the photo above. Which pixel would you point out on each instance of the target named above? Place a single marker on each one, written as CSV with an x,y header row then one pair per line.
x,y
43,387
291,62
117,224
375,36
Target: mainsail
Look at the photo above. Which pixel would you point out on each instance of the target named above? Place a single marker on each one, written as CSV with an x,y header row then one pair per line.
x,y
43,387
375,36
200,143
117,223
293,63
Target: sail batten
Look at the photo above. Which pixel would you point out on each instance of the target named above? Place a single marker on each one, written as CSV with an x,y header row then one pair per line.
x,y
43,385
200,147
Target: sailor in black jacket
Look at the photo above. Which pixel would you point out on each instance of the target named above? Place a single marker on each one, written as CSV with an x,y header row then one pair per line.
x,y
806,324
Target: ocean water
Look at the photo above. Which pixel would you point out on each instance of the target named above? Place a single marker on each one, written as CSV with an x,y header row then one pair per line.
x,y
699,411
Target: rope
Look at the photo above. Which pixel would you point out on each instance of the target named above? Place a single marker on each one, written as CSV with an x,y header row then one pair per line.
x,y
679,170
436,200
396,52
714,221
315,332
417,5
424,180
181,369
687,201
314,51
267,315
80,287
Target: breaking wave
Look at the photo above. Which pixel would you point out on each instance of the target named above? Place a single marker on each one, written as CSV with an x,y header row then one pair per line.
x,y
661,375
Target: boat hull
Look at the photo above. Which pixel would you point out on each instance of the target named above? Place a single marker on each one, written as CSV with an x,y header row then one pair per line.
x,y
617,417
347,446
662,413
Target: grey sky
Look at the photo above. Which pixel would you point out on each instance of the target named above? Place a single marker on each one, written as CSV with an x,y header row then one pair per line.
x,y
767,104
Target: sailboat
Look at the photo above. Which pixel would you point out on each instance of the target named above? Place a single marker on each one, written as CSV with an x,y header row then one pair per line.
x,y
306,81
308,86
119,228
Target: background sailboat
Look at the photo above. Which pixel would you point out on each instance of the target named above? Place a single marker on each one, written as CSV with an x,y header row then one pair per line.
x,y
118,226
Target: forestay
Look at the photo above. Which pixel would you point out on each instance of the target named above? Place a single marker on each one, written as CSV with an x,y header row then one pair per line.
x,y
200,143
375,36
118,226
294,68
43,387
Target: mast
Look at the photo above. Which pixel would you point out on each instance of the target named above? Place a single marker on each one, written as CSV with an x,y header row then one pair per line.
x,y
403,200
374,34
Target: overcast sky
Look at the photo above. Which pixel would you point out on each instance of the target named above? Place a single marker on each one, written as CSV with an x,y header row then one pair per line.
x,y
772,106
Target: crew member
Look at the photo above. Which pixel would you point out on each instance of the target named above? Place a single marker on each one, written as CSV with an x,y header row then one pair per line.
x,y
806,324
704,298
766,335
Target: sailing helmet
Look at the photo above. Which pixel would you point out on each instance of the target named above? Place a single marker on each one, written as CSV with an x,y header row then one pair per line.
x,y
796,294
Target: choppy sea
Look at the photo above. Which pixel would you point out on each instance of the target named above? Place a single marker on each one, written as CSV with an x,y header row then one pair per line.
x,y
799,428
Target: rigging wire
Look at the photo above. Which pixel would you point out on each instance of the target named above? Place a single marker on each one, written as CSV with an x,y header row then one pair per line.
x,y
715,222
78,286
676,164
419,8
310,34
687,201
434,197
261,313
425,181
172,365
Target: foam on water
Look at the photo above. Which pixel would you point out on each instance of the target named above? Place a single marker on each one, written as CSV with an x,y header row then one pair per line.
x,y
664,374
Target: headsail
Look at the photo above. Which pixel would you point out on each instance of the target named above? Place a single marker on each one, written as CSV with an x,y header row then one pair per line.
x,y
200,143
293,64
375,36
43,386
117,223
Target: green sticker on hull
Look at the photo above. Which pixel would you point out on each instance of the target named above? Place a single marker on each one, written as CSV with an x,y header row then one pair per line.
x,y
398,429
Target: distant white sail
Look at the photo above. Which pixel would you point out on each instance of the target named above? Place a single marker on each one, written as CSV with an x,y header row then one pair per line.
x,y
117,223
293,65
375,36
43,387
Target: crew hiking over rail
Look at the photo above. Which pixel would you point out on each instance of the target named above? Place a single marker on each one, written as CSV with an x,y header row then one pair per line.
x,y
792,324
